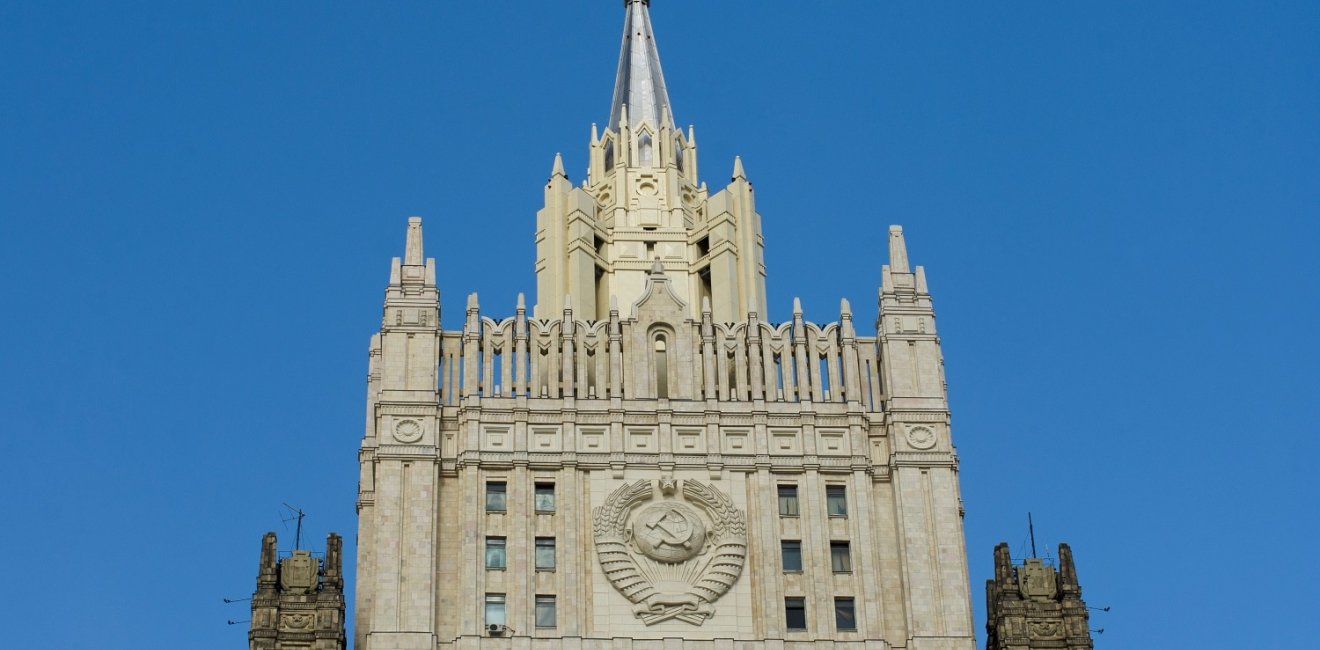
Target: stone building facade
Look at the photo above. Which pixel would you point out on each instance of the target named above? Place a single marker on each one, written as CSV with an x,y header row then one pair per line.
x,y
643,460
299,601
1034,606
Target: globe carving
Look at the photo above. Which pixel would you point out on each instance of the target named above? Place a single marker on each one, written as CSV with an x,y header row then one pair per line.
x,y
669,532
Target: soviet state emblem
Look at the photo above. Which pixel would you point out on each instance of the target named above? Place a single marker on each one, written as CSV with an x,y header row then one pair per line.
x,y
674,556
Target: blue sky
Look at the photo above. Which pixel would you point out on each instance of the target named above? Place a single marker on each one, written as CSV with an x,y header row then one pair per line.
x,y
1116,204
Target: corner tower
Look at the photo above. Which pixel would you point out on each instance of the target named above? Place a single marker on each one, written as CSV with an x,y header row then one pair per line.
x,y
642,200
644,460
1032,605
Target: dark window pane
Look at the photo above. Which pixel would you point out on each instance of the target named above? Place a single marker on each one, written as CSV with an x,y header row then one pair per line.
x,y
845,617
840,558
836,500
496,554
788,501
496,497
545,553
795,613
545,497
792,552
545,611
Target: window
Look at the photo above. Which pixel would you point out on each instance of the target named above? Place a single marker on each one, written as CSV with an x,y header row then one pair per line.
x,y
840,558
545,611
544,497
495,609
644,148
788,502
496,496
661,368
836,500
795,613
496,553
545,554
845,617
609,154
791,550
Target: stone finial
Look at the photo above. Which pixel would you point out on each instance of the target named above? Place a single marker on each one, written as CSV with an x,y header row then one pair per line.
x,y
658,269
705,306
595,135
898,257
412,255
614,303
472,304
1067,571
738,171
522,303
558,168
797,307
921,280
692,135
623,117
845,308
269,556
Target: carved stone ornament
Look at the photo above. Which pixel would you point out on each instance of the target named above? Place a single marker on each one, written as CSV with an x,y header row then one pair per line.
x,y
1046,629
298,573
407,431
297,620
920,437
671,547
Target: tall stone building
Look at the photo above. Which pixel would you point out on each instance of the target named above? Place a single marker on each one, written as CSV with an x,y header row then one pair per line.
x,y
643,460
1033,606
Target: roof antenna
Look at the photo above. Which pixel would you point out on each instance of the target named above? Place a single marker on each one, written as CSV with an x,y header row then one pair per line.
x,y
1031,528
297,513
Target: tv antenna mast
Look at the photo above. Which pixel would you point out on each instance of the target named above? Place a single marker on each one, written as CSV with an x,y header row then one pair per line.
x,y
295,514
1031,530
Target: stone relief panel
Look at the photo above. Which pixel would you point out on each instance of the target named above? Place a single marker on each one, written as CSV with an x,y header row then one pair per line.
x,y
408,430
496,438
546,439
671,547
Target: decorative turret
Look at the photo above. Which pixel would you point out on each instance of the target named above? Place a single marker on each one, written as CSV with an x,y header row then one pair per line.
x,y
1033,605
299,601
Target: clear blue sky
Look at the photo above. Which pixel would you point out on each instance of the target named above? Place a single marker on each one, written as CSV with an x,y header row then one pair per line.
x,y
1116,204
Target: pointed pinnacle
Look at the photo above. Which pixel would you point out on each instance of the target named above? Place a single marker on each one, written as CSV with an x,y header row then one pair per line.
x,y
558,169
522,302
412,253
738,171
797,306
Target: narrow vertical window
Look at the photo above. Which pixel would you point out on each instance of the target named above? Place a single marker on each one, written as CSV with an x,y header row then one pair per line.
x,y
496,496
840,557
609,154
545,611
836,500
788,501
678,155
644,149
497,556
791,550
845,615
495,609
661,368
795,614
545,554
545,497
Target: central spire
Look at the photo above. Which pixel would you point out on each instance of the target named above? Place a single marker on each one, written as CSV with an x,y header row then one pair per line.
x,y
640,84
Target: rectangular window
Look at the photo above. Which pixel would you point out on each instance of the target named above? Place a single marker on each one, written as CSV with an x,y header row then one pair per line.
x,y
840,558
795,613
788,502
545,497
836,500
845,617
496,554
496,496
545,611
791,549
545,554
495,609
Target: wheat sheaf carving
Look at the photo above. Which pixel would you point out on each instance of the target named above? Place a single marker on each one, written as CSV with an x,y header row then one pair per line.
x,y
712,572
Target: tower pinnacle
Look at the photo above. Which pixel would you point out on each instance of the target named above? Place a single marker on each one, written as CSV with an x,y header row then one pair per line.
x,y
640,84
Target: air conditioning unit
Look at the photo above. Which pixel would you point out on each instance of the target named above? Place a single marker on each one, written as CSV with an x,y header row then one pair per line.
x,y
495,629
